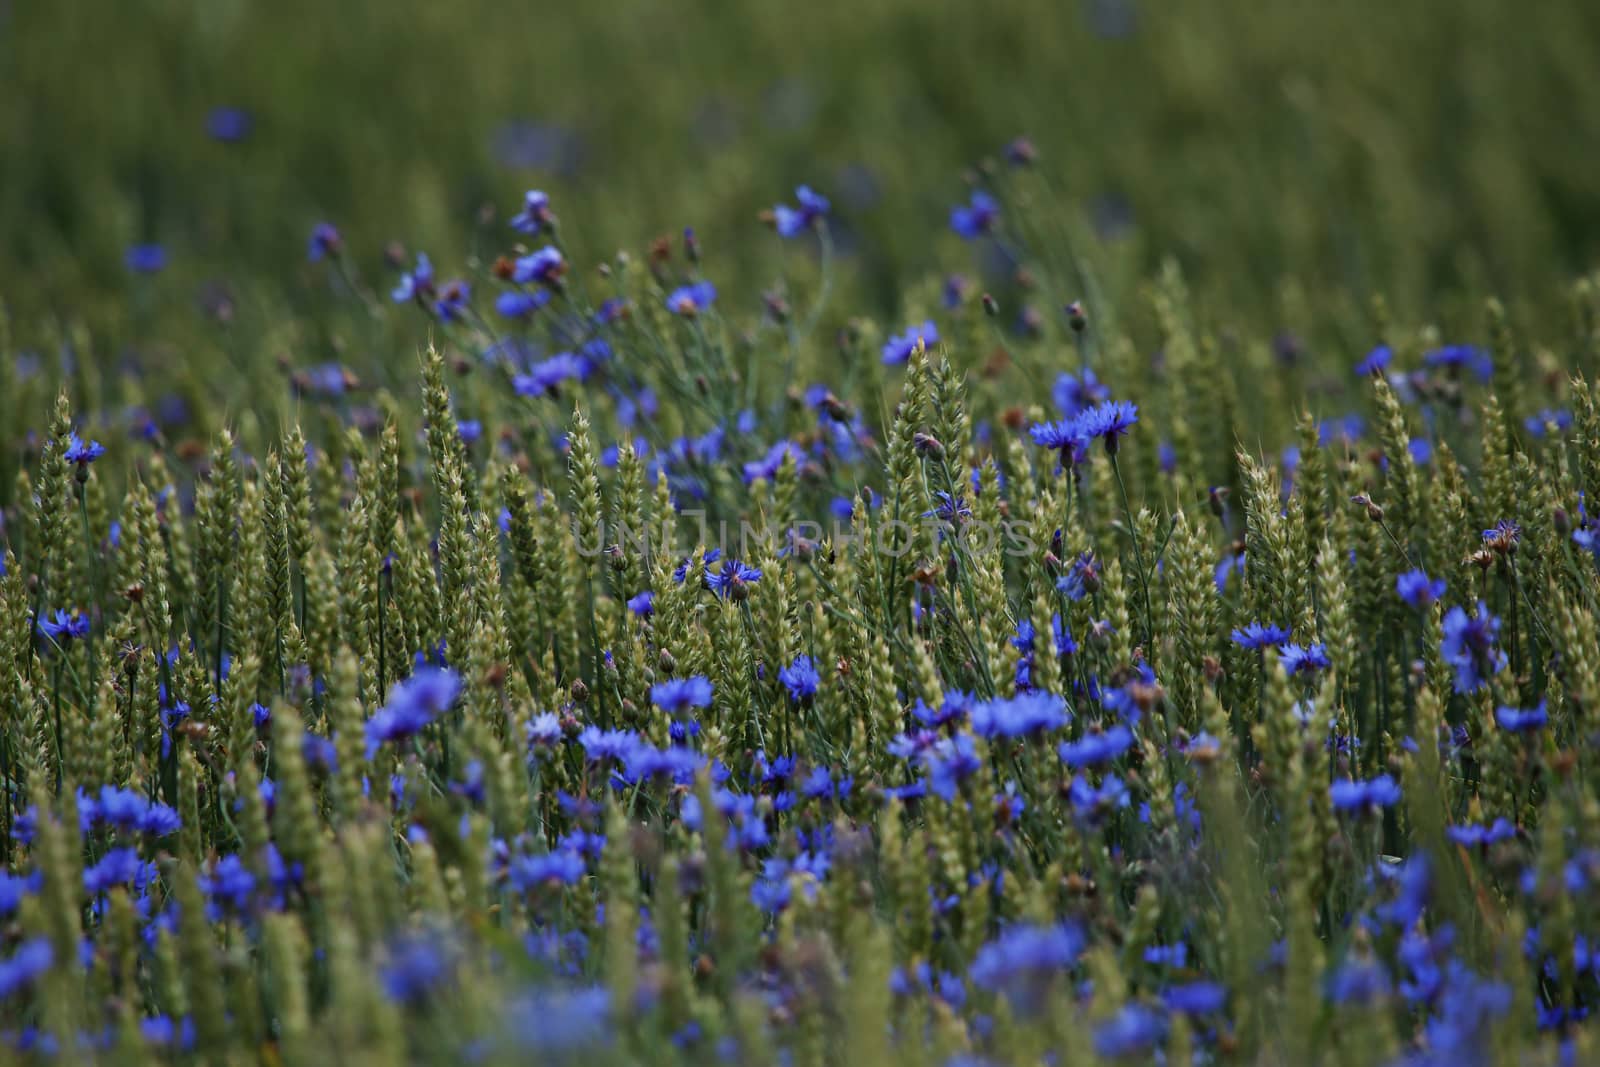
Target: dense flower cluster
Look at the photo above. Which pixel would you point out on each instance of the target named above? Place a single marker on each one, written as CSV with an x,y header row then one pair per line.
x,y
648,683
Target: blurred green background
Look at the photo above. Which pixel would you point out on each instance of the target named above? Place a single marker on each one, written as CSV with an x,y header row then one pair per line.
x,y
1360,143
1413,149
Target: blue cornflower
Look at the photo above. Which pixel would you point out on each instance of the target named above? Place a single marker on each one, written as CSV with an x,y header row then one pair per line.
x,y
452,300
415,283
545,730
1522,720
1108,421
1538,425
1135,1030
771,462
1298,660
413,704
561,867
228,887
14,887
951,761
1418,590
1019,716
680,694
82,453
324,241
546,266
642,604
544,377
535,215
1196,998
146,259
1072,393
602,745
1358,982
32,959
1024,959
690,300
1477,835
519,304
772,892
1064,437
1096,748
120,866
898,348
730,579
1359,797
62,627
1090,803
1260,635
1414,881
229,124
976,217
1458,357
645,761
800,678
1081,579
1376,361
1469,647
417,965
793,221
558,1021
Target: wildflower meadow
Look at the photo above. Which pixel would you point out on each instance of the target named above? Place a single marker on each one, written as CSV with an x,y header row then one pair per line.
x,y
913,534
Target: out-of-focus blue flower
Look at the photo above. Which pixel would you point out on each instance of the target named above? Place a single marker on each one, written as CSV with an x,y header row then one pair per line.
x,y
1358,796
1477,835
452,300
519,304
1462,357
535,216
1522,720
228,887
32,959
1359,982
1469,647
1196,998
1019,716
415,283
146,258
417,965
1376,361
544,377
690,300
642,604
229,124
554,1022
1260,635
898,348
680,694
1091,750
793,221
1418,590
561,867
1538,425
976,217
413,704
323,242
1133,1031
1072,393
1304,660
546,266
